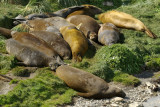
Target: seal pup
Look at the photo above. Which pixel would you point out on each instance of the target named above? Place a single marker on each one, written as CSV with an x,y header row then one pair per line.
x,y
87,25
30,56
124,20
87,84
76,40
57,43
108,34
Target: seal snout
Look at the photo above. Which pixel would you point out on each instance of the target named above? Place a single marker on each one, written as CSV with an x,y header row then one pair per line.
x,y
120,93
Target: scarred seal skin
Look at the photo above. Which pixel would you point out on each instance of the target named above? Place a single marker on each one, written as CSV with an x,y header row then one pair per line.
x,y
124,20
108,34
87,84
89,10
57,43
87,25
30,56
76,40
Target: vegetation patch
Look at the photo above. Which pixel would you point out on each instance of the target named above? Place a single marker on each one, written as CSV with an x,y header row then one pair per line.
x,y
119,57
21,28
43,90
14,81
8,11
2,46
20,71
6,63
125,78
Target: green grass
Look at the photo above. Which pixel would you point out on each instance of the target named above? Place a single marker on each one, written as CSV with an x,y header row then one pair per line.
x,y
6,63
43,90
20,71
8,12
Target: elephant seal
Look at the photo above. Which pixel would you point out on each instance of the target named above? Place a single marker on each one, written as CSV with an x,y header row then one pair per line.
x,y
88,25
57,43
52,24
89,10
76,40
87,84
60,13
124,20
30,56
34,42
108,34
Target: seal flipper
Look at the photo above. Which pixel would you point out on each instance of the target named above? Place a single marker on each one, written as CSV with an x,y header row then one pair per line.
x,y
5,32
150,33
86,95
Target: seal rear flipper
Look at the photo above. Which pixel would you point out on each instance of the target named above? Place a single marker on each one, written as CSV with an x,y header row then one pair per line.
x,y
21,64
86,95
5,32
150,33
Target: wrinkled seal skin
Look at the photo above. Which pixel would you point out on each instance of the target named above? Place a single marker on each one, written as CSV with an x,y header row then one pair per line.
x,y
87,25
124,20
89,10
34,42
76,40
30,56
87,84
57,43
108,34
48,24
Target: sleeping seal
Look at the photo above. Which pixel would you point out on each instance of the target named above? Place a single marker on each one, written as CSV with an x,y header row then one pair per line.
x,y
30,56
108,34
57,43
87,84
87,25
124,20
76,40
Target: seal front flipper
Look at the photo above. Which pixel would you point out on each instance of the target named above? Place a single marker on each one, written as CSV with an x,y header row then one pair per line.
x,y
86,95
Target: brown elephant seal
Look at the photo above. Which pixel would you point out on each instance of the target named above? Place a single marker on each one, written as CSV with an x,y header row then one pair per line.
x,y
30,56
89,10
124,20
34,42
57,43
87,84
87,25
108,34
76,40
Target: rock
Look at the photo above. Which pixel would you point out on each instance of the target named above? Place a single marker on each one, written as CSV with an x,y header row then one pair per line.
x,y
136,104
151,87
117,99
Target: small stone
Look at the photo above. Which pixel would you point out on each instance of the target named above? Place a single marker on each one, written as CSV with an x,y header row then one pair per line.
x,y
117,99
